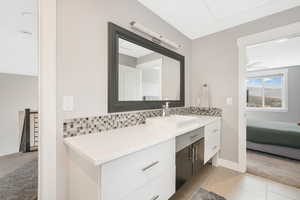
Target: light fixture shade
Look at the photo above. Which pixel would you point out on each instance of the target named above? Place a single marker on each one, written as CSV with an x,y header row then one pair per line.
x,y
154,35
170,43
144,29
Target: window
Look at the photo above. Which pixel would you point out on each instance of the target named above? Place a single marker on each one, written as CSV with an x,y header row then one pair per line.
x,y
267,90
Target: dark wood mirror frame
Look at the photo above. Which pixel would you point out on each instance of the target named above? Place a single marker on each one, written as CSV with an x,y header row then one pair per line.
x,y
114,105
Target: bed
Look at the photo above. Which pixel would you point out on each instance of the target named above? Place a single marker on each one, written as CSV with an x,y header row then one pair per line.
x,y
279,138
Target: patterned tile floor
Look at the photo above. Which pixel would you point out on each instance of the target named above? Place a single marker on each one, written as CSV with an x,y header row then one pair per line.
x,y
237,186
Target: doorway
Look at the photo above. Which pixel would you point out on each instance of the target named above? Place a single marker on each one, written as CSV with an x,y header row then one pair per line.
x,y
277,35
19,104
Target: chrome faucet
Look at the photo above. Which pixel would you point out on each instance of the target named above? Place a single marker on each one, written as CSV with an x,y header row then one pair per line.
x,y
165,110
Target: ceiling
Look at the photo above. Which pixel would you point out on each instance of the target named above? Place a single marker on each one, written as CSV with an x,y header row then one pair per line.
x,y
18,37
197,18
131,49
278,53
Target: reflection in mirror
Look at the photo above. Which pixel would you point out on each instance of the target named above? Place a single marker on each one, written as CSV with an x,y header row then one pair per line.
x,y
145,75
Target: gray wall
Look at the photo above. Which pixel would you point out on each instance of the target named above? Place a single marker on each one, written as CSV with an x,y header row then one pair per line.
x,y
149,57
82,48
215,62
293,113
127,60
170,79
17,93
170,72
82,58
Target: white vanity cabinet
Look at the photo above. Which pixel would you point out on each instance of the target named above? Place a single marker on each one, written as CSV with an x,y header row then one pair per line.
x,y
138,163
210,146
146,174
212,139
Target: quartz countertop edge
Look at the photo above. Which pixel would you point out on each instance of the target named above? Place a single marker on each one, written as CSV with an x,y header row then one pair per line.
x,y
103,147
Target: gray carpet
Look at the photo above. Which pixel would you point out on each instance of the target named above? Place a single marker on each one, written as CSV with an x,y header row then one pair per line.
x,y
202,194
276,168
20,184
10,163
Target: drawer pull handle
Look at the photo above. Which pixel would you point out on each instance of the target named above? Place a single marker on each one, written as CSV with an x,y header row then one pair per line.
x,y
216,130
190,154
214,148
196,153
155,197
149,166
193,154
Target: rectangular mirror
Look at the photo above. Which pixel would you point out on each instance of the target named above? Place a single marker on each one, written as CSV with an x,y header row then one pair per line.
x,y
142,74
145,75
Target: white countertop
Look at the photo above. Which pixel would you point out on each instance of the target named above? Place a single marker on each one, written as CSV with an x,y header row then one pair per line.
x,y
109,145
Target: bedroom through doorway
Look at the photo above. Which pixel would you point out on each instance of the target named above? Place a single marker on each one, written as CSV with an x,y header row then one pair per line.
x,y
273,110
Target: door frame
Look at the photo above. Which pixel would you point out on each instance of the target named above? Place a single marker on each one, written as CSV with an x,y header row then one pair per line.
x,y
243,42
47,177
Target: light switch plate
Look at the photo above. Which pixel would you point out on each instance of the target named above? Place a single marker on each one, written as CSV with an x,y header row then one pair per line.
x,y
229,101
68,103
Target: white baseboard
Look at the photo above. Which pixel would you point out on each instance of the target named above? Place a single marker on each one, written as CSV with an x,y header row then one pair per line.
x,y
8,153
229,164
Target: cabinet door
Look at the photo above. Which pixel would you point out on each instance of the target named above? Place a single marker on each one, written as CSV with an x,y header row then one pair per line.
x,y
184,166
212,133
198,153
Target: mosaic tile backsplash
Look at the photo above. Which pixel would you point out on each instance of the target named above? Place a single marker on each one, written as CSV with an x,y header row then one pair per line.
x,y
89,125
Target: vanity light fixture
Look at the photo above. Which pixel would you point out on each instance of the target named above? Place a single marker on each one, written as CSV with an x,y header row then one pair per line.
x,y
157,38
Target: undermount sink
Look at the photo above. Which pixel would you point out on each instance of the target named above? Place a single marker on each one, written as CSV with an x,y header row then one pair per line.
x,y
179,122
182,121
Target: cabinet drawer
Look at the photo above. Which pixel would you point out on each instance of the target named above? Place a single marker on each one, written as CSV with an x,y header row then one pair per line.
x,y
161,188
188,138
212,138
123,176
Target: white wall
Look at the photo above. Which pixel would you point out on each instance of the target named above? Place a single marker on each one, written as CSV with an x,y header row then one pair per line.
x,y
82,58
277,53
17,93
18,50
215,62
293,113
